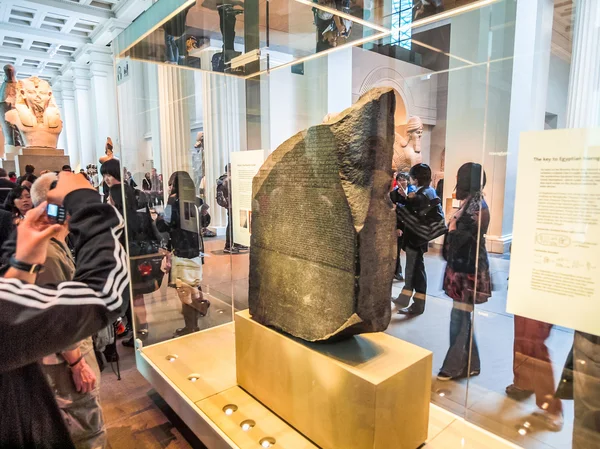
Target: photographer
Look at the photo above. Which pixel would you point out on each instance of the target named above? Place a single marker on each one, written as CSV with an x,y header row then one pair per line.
x,y
36,321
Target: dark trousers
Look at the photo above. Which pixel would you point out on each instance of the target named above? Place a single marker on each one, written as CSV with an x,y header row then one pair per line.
x,y
532,366
228,231
456,363
398,260
415,278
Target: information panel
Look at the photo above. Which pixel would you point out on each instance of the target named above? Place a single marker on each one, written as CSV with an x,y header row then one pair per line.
x,y
555,261
244,166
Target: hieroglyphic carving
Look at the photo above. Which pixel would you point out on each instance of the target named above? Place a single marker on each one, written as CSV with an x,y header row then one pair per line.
x,y
322,245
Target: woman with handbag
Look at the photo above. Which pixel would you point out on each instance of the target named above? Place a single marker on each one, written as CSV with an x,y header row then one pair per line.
x,y
467,277
180,220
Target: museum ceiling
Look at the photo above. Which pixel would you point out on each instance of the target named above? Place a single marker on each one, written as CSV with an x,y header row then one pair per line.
x,y
45,37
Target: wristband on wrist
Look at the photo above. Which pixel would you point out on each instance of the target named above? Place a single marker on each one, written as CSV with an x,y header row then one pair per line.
x,y
71,365
24,266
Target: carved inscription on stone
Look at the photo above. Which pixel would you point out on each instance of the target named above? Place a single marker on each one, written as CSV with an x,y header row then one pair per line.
x,y
323,245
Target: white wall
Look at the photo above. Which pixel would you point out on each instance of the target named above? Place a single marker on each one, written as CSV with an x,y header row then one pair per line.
x,y
296,102
479,102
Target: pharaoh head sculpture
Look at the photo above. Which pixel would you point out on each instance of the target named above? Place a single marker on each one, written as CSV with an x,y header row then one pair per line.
x,y
37,94
36,115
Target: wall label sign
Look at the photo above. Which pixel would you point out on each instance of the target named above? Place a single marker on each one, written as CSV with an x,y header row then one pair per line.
x,y
244,166
555,260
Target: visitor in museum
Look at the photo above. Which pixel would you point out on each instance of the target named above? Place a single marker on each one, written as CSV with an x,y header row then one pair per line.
x,y
66,168
6,229
111,174
147,183
156,190
72,373
6,185
12,176
18,203
186,264
29,172
533,373
26,181
28,313
224,200
414,246
146,274
402,182
467,277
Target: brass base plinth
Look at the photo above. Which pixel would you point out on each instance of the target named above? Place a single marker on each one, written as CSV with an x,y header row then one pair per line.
x,y
369,392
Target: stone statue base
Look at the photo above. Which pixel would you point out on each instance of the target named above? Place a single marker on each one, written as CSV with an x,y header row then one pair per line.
x,y
8,165
42,158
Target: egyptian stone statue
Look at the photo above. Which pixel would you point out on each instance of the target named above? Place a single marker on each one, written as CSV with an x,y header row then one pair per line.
x,y
35,114
8,98
407,149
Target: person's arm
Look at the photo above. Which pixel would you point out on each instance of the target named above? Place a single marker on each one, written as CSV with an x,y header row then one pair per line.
x,y
57,318
83,375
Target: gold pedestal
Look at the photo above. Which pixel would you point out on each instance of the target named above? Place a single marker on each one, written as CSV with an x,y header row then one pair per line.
x,y
195,374
369,392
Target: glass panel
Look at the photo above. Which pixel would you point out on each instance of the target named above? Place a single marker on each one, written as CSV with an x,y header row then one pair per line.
x,y
175,226
531,390
478,81
244,38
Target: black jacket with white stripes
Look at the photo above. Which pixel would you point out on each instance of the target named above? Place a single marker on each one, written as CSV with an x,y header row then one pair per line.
x,y
36,321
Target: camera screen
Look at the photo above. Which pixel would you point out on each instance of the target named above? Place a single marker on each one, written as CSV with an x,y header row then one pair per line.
x,y
52,210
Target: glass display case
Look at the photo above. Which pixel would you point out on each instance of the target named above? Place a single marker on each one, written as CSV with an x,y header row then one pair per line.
x,y
210,93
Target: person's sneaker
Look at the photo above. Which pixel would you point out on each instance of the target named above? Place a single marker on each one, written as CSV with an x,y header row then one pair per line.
x,y
516,393
233,250
413,310
553,422
241,247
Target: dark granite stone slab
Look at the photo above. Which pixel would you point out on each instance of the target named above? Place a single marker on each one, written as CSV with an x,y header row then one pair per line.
x,y
323,229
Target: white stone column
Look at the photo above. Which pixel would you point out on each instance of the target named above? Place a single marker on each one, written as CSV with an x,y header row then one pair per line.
x,y
104,104
131,145
58,98
583,110
175,144
224,128
86,131
154,111
70,121
490,105
529,92
479,100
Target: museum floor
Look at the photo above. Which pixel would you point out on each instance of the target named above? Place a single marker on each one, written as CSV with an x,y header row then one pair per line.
x,y
487,405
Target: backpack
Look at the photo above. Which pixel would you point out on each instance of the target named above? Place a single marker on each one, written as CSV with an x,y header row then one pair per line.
x,y
222,191
426,222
